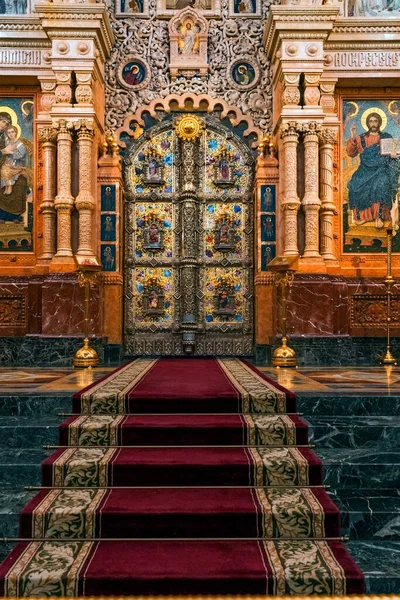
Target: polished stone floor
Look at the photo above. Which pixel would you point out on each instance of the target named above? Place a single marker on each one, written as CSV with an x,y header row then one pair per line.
x,y
47,380
335,380
338,380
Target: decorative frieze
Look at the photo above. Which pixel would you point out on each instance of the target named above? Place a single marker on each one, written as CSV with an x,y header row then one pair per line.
x,y
370,310
18,56
363,60
12,311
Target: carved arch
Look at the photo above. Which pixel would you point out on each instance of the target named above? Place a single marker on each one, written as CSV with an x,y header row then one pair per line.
x,y
189,102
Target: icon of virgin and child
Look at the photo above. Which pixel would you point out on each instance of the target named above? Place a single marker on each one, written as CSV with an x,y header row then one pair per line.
x,y
13,171
374,185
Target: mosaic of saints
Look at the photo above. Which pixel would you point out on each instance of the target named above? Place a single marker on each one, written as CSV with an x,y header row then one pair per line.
x,y
373,186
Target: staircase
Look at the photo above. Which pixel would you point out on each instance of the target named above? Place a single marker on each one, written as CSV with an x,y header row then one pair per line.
x,y
360,453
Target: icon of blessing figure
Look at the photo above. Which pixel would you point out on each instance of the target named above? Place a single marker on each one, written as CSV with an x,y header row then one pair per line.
x,y
108,229
268,199
224,235
268,228
13,184
224,170
373,186
133,76
134,6
154,235
108,259
188,39
223,300
154,170
243,74
152,300
267,255
246,6
108,200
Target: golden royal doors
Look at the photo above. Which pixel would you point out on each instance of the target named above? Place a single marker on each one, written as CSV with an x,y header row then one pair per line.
x,y
189,240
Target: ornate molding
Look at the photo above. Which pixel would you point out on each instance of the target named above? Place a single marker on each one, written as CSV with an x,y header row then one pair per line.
x,y
13,310
369,310
112,278
182,103
327,136
47,135
228,39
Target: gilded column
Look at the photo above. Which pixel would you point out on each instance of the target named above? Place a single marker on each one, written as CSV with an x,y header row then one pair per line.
x,y
64,200
48,139
311,202
291,202
327,139
189,239
84,201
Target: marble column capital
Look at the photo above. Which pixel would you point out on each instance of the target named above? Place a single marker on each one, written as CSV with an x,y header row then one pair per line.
x,y
311,129
290,130
85,130
47,135
327,136
64,129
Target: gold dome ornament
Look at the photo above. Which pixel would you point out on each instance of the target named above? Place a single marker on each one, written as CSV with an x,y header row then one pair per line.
x,y
189,128
86,356
284,356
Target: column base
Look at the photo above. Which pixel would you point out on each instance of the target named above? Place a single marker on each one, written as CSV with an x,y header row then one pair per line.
x,y
331,261
308,264
62,263
45,260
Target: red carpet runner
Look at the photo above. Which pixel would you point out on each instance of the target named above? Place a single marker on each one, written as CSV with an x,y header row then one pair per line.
x,y
181,476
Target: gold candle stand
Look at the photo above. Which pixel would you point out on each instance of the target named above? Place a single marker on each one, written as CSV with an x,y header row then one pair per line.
x,y
283,267
388,358
86,356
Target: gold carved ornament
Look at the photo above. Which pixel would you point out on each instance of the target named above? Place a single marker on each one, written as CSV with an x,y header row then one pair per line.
x,y
189,128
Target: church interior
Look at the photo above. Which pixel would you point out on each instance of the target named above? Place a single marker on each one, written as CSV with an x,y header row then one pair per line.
x,y
199,306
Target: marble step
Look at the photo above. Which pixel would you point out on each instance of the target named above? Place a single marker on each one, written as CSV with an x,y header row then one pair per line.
x,y
353,468
365,514
307,403
344,405
324,431
380,563
26,405
358,468
27,432
368,513
21,466
12,501
354,431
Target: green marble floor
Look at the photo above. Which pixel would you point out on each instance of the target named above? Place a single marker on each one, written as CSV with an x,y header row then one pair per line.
x,y
354,420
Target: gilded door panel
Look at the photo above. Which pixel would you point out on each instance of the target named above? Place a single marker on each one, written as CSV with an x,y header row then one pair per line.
x,y
189,243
